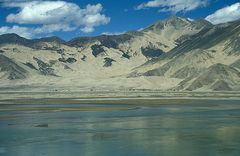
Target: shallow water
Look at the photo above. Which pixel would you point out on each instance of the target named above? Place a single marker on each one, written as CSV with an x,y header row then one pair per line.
x,y
194,128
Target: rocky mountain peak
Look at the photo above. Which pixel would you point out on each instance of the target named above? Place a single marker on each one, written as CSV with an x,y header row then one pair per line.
x,y
173,21
13,39
176,19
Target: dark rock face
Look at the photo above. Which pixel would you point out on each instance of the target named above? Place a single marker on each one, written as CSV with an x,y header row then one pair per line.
x,y
60,51
71,60
221,85
45,68
81,41
105,40
97,50
68,60
1,51
108,62
182,39
125,55
115,40
84,58
13,70
151,52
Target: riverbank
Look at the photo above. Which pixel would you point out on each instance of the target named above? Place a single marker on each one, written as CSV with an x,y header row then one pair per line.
x,y
117,95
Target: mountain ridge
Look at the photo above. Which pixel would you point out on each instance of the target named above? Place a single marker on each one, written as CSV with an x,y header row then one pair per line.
x,y
173,54
55,38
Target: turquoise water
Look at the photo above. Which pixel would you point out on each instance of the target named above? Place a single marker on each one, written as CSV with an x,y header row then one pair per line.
x,y
209,127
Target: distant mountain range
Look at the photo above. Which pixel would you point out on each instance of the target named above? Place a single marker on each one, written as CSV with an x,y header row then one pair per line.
x,y
174,55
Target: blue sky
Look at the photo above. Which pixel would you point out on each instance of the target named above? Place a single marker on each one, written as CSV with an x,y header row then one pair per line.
x,y
72,18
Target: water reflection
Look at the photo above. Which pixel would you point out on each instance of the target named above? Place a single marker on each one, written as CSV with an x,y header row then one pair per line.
x,y
152,130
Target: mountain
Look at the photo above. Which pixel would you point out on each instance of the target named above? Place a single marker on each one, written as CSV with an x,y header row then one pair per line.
x,y
10,69
14,39
50,39
18,40
172,54
194,56
216,77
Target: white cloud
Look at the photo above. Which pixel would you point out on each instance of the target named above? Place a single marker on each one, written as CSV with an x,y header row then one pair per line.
x,y
30,32
87,29
173,5
190,19
227,14
52,16
22,31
